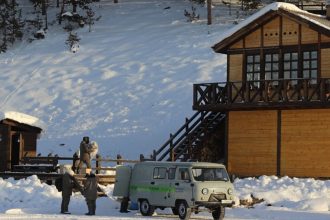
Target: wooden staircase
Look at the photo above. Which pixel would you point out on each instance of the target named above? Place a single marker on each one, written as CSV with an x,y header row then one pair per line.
x,y
190,137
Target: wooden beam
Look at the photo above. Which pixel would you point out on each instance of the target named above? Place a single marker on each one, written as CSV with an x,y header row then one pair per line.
x,y
279,125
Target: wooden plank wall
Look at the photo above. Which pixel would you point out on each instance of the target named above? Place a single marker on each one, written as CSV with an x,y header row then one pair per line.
x,y
308,35
235,67
290,32
272,32
253,39
305,144
5,147
325,63
252,143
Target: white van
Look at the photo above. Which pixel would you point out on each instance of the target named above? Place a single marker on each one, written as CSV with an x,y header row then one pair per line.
x,y
183,186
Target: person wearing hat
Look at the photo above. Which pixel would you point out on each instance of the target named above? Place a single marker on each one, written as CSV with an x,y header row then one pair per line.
x,y
85,157
68,183
90,192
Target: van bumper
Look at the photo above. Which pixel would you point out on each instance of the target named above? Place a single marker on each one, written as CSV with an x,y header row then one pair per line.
x,y
226,203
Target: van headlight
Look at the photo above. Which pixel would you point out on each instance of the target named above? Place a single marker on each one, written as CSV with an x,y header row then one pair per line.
x,y
230,191
205,191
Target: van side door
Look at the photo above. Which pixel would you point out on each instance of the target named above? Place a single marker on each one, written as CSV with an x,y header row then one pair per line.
x,y
183,185
158,186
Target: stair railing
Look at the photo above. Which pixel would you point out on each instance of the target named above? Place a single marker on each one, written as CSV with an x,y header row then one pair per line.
x,y
196,134
177,137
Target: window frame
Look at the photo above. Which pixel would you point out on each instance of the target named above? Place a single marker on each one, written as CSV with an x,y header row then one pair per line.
x,y
295,66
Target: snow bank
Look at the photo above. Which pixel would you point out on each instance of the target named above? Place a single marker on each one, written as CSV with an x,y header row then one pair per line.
x,y
26,195
293,193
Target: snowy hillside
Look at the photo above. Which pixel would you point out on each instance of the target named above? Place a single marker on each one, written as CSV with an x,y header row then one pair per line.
x,y
127,87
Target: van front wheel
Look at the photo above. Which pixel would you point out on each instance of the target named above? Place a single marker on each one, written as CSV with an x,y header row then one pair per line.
x,y
184,211
218,213
145,208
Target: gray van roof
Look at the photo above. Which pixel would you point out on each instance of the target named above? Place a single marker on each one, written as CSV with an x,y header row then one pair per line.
x,y
188,164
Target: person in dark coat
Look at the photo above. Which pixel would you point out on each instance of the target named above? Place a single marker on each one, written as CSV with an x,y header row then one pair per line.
x,y
85,151
90,193
68,183
75,162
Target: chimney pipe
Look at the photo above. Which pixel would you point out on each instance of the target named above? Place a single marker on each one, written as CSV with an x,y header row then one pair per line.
x,y
327,5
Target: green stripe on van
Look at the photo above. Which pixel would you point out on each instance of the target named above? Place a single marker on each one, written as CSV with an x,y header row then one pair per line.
x,y
141,188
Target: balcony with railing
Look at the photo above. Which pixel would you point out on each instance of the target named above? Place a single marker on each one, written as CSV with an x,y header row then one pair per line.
x,y
262,94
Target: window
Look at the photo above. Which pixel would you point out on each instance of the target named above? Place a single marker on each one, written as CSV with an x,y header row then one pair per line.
x,y
210,174
171,173
310,65
159,173
253,68
275,65
272,67
290,66
183,174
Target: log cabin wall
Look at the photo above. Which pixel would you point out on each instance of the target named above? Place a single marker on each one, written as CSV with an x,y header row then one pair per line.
x,y
305,143
252,143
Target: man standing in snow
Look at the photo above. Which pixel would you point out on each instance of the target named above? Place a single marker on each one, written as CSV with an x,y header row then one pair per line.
x,y
90,192
85,151
68,183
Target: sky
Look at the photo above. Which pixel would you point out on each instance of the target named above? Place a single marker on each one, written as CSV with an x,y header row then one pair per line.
x,y
128,86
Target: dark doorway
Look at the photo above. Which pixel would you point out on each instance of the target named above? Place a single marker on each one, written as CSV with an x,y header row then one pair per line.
x,y
15,149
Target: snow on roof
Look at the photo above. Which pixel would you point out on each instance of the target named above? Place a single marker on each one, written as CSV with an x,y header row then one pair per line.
x,y
317,19
22,118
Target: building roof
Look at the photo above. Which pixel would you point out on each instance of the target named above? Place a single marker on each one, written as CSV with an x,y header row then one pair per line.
x,y
317,22
22,118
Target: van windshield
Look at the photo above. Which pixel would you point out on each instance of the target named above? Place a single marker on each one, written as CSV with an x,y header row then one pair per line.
x,y
210,174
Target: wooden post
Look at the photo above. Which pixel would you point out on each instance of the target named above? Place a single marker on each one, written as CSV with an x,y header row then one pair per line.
x,y
115,1
98,163
209,12
74,6
171,148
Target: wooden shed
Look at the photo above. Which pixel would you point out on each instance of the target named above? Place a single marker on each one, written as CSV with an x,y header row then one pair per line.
x,y
18,138
272,114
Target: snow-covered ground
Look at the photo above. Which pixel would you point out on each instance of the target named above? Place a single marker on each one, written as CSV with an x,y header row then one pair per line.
x,y
284,199
127,87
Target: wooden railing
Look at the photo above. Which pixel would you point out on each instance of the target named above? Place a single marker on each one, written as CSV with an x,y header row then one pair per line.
x,y
168,147
283,93
37,167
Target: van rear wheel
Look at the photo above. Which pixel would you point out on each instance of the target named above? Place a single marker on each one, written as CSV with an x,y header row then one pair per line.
x,y
145,208
184,211
218,213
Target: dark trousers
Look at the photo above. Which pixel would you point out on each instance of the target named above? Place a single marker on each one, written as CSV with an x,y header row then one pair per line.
x,y
65,204
91,204
81,162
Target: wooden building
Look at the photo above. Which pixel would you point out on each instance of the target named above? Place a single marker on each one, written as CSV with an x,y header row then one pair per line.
x,y
18,138
276,98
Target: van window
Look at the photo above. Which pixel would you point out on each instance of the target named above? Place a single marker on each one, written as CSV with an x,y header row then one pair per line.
x,y
210,174
183,174
159,173
171,173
